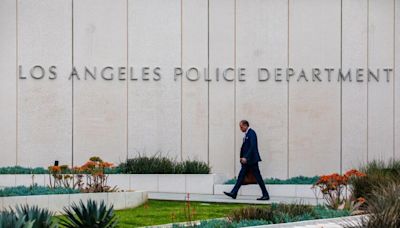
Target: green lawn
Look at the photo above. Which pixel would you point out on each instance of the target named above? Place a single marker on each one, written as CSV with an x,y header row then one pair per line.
x,y
157,212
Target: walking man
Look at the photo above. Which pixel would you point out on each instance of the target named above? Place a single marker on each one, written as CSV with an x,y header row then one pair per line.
x,y
249,158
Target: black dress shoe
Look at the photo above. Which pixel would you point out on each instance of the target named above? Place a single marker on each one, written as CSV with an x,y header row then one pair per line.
x,y
233,196
263,198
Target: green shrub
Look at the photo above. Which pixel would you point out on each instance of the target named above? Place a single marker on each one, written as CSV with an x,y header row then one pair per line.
x,y
22,170
276,213
322,212
281,213
377,173
252,213
226,224
244,223
219,223
91,214
114,170
41,170
383,207
35,190
192,167
293,180
293,209
162,165
147,165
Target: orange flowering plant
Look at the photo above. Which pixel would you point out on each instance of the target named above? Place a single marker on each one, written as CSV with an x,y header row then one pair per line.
x,y
96,179
60,176
90,177
335,189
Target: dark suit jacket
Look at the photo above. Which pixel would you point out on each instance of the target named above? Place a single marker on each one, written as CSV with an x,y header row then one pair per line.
x,y
249,148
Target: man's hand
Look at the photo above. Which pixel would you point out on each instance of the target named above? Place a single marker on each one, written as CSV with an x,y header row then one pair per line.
x,y
243,160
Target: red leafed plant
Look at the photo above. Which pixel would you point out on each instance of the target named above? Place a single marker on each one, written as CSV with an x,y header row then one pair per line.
x,y
335,189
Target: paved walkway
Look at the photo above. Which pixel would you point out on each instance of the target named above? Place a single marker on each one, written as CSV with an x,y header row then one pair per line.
x,y
226,199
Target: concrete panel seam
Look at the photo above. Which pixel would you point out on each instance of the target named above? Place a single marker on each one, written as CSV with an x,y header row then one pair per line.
x,y
16,84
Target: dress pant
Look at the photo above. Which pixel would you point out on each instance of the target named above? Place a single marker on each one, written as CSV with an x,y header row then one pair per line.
x,y
242,174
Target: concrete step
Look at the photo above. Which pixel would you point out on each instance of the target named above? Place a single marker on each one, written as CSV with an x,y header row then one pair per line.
x,y
226,199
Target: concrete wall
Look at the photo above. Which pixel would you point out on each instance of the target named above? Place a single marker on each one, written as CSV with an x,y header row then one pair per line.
x,y
303,128
57,202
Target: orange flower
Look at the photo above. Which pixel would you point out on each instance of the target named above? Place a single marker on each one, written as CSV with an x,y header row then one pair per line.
x,y
77,169
107,164
361,200
55,169
354,172
88,165
323,179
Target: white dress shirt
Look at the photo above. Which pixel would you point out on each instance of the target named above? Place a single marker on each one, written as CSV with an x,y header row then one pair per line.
x,y
244,137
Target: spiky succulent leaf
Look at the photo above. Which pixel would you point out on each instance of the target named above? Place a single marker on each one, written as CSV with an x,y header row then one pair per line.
x,y
91,214
40,218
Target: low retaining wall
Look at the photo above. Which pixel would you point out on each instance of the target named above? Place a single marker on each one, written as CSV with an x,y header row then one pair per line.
x,y
174,183
169,183
57,202
275,190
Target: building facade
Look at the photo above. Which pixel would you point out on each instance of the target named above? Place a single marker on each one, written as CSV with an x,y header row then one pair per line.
x,y
316,79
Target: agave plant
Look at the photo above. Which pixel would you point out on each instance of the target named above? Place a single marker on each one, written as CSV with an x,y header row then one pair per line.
x,y
26,217
92,214
9,219
40,218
